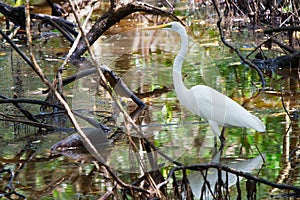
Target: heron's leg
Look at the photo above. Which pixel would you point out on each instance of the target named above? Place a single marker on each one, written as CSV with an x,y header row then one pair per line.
x,y
222,147
215,142
215,127
222,136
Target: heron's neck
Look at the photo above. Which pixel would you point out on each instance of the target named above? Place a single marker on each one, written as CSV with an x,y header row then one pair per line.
x,y
177,66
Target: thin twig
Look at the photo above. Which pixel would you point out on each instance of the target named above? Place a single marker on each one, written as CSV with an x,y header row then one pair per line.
x,y
88,144
81,28
57,94
245,60
114,96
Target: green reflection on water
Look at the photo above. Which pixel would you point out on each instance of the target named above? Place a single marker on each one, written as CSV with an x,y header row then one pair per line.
x,y
208,62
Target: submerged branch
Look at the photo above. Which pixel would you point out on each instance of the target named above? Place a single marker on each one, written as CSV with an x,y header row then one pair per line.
x,y
16,102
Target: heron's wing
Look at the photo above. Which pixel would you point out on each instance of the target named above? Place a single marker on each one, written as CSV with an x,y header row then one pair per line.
x,y
217,107
237,115
211,105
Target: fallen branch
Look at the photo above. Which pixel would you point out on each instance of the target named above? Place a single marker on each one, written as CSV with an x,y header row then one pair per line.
x,y
281,29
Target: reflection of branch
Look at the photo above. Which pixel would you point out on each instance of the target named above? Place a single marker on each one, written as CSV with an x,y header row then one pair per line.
x,y
283,105
9,191
253,97
16,102
245,60
33,120
160,152
48,189
248,176
286,164
206,182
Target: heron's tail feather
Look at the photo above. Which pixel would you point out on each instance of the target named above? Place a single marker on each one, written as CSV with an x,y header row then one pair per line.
x,y
257,124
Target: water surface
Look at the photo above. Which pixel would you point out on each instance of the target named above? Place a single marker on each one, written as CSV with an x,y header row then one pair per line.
x,y
144,61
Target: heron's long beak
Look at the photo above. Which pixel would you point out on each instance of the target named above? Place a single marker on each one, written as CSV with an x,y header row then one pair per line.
x,y
156,27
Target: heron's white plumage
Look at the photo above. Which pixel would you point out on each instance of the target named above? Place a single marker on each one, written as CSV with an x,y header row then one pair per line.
x,y
213,106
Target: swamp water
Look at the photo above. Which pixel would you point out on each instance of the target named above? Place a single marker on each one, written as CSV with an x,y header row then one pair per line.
x,y
144,61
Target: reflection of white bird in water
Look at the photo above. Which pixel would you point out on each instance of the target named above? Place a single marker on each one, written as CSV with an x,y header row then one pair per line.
x,y
213,106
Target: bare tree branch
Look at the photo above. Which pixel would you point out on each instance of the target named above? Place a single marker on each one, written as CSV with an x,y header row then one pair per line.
x,y
245,60
112,17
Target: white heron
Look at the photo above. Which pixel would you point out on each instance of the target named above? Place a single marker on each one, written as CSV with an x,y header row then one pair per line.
x,y
216,108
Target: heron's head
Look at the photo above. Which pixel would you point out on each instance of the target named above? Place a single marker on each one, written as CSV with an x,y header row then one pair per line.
x,y
173,26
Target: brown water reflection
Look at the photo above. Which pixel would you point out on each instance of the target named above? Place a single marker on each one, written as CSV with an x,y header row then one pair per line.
x,y
144,60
